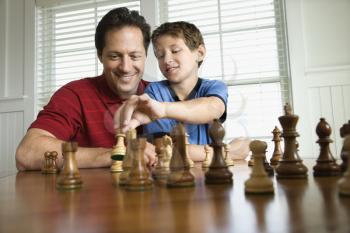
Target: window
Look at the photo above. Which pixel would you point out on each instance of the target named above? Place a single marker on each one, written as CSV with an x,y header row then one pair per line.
x,y
245,41
65,42
246,48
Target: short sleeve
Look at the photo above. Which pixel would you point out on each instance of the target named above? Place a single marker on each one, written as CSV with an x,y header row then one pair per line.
x,y
218,89
62,115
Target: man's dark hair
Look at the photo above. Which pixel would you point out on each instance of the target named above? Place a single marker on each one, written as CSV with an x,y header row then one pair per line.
x,y
117,19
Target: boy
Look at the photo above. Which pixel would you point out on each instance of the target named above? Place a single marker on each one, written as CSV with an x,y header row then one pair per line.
x,y
183,96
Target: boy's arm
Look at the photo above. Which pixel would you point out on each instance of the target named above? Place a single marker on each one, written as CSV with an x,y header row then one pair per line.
x,y
140,110
30,152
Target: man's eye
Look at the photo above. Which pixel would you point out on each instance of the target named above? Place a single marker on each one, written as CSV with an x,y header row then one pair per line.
x,y
136,57
114,57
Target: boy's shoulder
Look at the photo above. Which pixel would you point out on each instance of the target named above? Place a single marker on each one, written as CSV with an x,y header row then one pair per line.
x,y
158,85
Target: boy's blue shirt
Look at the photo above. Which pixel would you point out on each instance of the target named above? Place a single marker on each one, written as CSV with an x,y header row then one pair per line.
x,y
198,133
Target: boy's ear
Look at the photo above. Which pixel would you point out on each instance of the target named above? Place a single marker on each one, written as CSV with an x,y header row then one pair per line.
x,y
201,51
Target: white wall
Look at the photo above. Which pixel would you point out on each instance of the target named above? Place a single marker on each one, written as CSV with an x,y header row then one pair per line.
x,y
319,44
16,76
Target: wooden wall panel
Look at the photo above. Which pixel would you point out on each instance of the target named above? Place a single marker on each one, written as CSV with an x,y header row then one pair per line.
x,y
11,127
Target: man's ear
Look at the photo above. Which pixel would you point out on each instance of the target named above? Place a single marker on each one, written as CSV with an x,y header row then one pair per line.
x,y
201,51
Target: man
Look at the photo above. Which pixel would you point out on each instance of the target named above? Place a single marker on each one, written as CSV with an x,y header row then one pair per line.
x,y
83,110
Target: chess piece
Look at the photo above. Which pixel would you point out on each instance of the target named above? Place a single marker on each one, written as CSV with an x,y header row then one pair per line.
x,y
218,172
190,161
269,170
118,152
251,160
50,163
326,165
139,176
344,182
258,182
290,165
277,152
228,159
180,175
344,155
127,161
206,162
161,170
69,177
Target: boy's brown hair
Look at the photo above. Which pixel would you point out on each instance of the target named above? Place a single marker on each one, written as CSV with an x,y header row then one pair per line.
x,y
187,31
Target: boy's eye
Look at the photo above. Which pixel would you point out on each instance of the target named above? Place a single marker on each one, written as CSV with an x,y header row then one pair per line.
x,y
176,50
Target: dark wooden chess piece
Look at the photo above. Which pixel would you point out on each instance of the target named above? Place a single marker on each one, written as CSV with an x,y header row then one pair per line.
x,y
344,155
127,161
259,181
218,172
325,164
139,176
277,152
50,163
344,182
290,166
180,174
69,177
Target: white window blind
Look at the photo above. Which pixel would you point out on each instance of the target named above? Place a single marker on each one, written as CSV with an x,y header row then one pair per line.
x,y
246,48
65,48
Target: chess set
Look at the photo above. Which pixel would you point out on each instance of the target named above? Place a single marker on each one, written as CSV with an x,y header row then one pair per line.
x,y
173,167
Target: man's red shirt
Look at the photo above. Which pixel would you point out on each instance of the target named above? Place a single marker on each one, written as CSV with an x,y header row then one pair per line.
x,y
82,111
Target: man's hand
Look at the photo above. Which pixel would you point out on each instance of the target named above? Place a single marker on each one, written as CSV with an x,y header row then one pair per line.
x,y
138,110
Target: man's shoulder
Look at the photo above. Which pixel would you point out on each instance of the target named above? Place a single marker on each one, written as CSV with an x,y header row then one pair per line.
x,y
89,82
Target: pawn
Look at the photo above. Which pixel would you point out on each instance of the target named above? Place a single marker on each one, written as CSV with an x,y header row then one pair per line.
x,y
326,165
50,163
70,177
277,152
139,176
161,170
190,161
344,131
118,152
180,175
218,172
228,159
269,170
251,160
127,161
259,181
344,182
208,151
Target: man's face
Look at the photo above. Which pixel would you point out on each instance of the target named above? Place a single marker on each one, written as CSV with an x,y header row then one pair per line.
x,y
123,59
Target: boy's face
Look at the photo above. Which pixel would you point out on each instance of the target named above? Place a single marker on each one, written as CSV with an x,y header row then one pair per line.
x,y
123,59
176,61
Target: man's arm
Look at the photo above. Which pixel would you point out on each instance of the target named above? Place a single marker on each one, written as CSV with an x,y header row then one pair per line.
x,y
30,152
140,110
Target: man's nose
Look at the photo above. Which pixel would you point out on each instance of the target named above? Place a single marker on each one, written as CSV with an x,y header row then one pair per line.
x,y
126,64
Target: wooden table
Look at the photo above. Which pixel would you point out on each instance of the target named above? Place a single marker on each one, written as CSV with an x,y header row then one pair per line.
x,y
29,202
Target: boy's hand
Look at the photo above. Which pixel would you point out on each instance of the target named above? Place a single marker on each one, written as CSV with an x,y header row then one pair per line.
x,y
138,110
